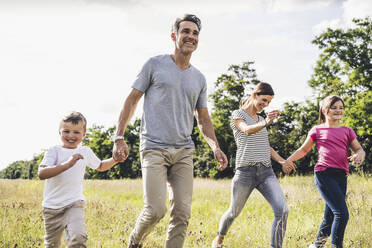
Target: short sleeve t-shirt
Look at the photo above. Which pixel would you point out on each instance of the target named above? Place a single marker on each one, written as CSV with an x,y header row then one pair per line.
x,y
252,149
66,187
171,97
333,146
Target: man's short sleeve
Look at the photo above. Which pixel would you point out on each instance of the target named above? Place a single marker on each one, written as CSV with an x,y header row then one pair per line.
x,y
91,158
50,157
144,78
203,99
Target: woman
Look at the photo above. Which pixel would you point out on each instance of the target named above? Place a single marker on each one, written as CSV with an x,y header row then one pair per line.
x,y
253,164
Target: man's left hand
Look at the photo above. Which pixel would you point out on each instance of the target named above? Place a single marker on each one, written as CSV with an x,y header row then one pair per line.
x,y
221,158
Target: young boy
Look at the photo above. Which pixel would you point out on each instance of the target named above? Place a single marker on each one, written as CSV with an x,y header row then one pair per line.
x,y
64,166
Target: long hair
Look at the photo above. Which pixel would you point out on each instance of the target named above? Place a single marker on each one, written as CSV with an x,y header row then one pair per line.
x,y
261,89
326,104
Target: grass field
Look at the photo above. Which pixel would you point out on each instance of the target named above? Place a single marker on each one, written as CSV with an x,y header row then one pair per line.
x,y
112,208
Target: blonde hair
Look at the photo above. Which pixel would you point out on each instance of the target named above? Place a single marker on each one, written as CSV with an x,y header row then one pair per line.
x,y
261,89
74,117
326,104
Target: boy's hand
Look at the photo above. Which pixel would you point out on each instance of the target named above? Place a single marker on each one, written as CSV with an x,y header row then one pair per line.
x,y
73,159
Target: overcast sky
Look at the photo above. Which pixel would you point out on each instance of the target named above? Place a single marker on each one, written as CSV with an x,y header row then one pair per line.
x,y
58,56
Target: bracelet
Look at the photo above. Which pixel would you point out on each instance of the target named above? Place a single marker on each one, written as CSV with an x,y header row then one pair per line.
x,y
265,123
214,151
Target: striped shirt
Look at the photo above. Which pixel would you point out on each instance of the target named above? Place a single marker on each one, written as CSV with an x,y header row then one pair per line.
x,y
253,149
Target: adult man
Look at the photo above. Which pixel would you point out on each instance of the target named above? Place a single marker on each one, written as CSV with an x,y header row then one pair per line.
x,y
174,91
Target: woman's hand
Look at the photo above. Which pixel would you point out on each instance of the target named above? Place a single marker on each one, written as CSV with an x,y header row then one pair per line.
x,y
271,116
288,166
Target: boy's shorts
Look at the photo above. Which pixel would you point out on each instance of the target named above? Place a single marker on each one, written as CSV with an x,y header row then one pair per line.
x,y
69,218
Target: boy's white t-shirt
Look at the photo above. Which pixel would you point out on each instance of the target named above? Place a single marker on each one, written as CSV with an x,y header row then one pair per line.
x,y
66,187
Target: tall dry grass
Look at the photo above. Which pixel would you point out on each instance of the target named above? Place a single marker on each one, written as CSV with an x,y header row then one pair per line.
x,y
113,206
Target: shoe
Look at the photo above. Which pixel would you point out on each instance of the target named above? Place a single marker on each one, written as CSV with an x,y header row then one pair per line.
x,y
319,243
215,243
131,245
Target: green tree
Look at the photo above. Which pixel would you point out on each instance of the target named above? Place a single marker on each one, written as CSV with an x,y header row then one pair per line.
x,y
25,169
344,66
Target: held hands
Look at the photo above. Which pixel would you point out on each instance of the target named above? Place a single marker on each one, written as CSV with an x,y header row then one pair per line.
x,y
271,116
288,166
73,159
120,151
356,159
221,158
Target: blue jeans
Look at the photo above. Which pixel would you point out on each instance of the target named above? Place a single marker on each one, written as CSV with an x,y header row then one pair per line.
x,y
264,180
332,185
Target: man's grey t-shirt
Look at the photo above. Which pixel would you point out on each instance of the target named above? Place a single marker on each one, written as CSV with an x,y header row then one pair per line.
x,y
171,97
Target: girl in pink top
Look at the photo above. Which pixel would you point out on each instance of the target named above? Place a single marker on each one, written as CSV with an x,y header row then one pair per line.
x,y
332,142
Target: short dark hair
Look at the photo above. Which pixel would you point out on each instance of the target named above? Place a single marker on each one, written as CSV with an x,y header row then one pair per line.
x,y
74,117
186,17
327,103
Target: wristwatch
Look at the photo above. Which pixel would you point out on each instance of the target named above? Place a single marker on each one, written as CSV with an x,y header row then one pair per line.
x,y
117,137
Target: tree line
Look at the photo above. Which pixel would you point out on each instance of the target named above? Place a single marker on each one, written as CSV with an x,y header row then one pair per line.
x,y
343,68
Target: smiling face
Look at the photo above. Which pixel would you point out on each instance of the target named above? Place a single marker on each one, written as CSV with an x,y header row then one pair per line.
x,y
262,101
187,37
72,134
335,112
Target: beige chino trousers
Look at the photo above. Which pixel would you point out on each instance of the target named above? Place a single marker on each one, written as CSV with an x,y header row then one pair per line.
x,y
162,168
69,218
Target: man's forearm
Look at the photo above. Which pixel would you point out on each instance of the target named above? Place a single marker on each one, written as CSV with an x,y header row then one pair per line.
x,y
127,111
125,116
207,130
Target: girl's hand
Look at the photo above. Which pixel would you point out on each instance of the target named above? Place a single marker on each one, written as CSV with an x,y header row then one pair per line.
x,y
271,116
356,159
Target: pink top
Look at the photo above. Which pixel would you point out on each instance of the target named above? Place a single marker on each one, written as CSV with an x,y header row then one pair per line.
x,y
333,146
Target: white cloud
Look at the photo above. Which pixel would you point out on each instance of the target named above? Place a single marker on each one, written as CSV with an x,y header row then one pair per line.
x,y
208,7
351,9
356,9
298,5
324,25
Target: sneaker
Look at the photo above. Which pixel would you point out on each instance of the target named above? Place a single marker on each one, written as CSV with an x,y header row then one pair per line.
x,y
215,243
131,245
319,243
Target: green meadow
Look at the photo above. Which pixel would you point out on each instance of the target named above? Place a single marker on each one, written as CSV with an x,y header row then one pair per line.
x,y
112,207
